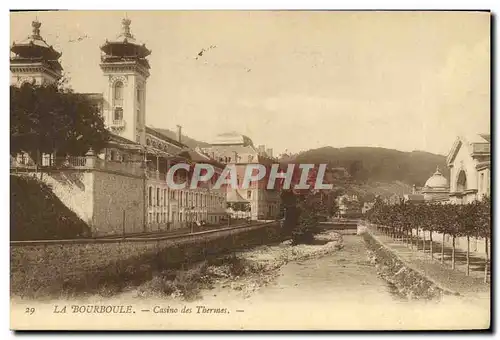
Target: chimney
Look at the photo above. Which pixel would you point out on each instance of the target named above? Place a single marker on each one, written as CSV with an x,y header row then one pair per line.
x,y
262,149
179,133
269,153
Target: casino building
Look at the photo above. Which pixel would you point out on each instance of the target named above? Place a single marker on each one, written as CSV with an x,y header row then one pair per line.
x,y
123,188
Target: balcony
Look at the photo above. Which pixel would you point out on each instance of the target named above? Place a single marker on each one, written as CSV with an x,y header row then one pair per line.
x,y
481,148
118,124
76,163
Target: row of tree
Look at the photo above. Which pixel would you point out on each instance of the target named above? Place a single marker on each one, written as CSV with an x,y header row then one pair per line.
x,y
472,219
457,220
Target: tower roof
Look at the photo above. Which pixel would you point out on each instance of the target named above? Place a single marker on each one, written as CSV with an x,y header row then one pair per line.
x,y
125,46
35,48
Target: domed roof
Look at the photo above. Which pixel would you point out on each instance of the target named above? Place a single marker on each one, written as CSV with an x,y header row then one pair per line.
x,y
437,180
232,138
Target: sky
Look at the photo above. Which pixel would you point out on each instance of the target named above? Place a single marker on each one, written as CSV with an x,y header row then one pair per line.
x,y
295,80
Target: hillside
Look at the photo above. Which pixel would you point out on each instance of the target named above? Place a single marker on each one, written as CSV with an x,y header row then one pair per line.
x,y
371,165
37,214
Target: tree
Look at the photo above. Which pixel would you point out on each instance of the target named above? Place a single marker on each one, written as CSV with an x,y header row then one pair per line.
x,y
356,169
48,119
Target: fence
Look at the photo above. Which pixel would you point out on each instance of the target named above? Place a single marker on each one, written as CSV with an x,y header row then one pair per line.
x,y
48,162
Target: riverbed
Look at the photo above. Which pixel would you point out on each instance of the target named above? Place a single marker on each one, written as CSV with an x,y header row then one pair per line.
x,y
337,291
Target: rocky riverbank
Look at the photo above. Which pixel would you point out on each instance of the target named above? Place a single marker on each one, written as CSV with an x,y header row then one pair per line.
x,y
406,283
244,271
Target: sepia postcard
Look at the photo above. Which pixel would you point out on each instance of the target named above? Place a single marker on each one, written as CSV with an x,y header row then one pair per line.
x,y
250,170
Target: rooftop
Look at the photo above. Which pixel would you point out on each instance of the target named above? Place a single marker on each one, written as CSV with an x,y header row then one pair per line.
x,y
35,48
125,46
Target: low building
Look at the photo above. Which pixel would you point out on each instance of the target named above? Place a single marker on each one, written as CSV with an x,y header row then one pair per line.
x,y
349,206
392,199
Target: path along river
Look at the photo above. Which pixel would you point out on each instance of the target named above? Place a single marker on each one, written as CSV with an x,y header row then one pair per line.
x,y
337,291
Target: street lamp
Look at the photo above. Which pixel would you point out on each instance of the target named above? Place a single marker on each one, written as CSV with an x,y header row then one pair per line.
x,y
191,212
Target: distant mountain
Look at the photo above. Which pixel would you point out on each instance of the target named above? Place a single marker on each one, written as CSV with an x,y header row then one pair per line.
x,y
190,142
371,165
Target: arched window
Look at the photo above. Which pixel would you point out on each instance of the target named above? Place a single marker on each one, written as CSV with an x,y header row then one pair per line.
x,y
461,181
118,90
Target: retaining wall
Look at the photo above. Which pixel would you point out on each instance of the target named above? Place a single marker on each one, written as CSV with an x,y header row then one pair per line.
x,y
48,268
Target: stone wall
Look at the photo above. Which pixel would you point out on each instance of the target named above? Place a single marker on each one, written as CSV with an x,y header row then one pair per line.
x,y
118,203
43,268
108,201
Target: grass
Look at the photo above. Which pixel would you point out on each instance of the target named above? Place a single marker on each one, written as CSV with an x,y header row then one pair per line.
x,y
36,213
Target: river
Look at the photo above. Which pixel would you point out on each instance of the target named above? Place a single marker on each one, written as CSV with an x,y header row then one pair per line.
x,y
339,291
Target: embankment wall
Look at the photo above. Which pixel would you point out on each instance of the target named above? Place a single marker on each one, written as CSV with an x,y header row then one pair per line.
x,y
50,268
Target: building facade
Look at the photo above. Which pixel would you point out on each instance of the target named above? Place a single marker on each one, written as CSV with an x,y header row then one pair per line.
x,y
126,189
239,150
469,162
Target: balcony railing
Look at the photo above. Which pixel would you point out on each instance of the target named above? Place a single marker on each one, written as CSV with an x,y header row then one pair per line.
x,y
118,123
78,162
481,148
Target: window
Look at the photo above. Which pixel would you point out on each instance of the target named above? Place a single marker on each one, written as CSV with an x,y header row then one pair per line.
x,y
158,197
118,90
481,183
164,197
249,194
180,198
138,95
158,217
118,113
138,116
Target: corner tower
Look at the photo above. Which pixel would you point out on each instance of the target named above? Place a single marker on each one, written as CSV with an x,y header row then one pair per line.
x,y
33,60
126,70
